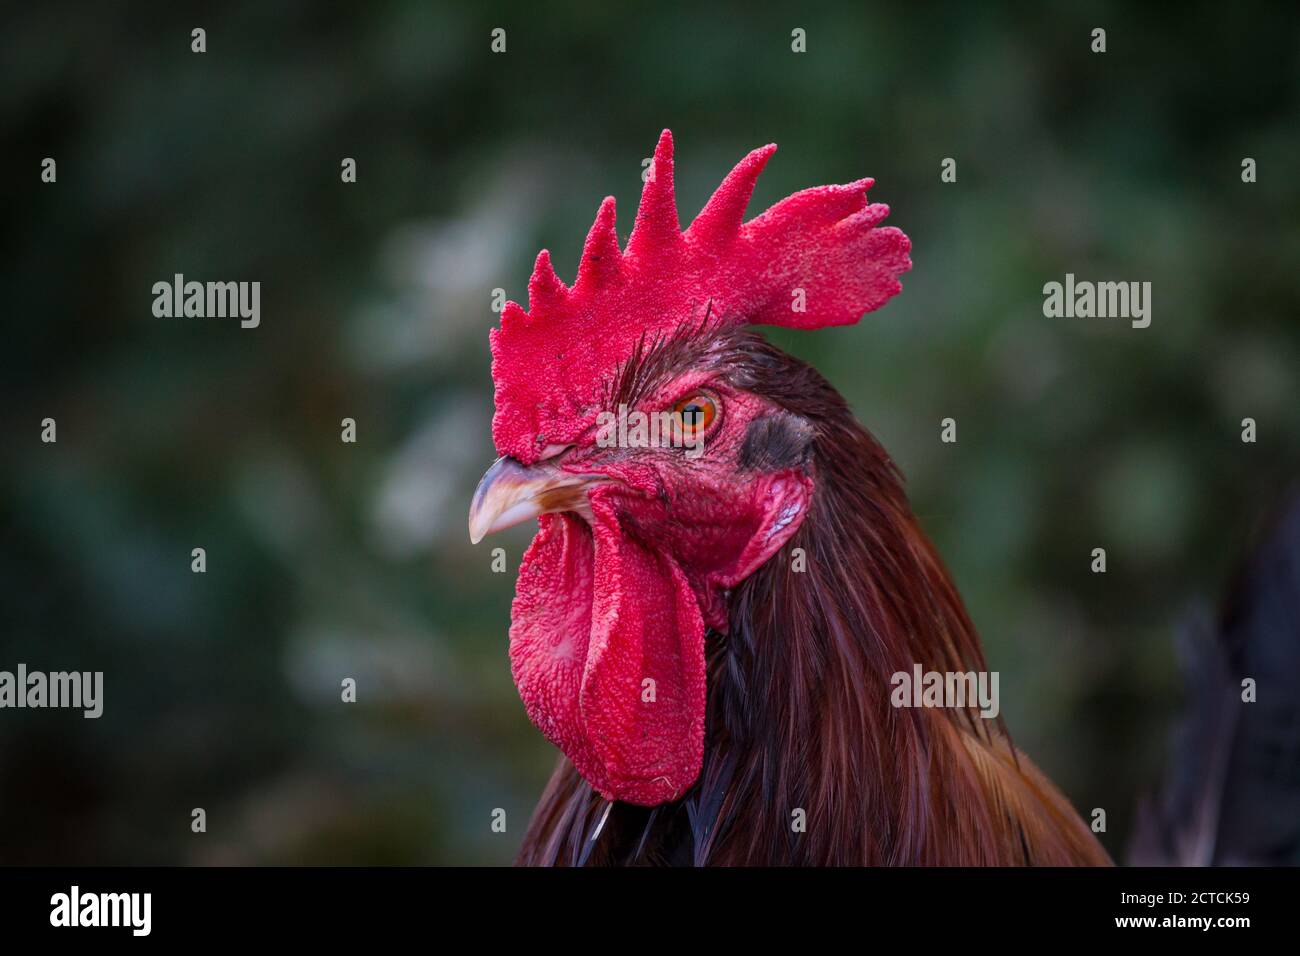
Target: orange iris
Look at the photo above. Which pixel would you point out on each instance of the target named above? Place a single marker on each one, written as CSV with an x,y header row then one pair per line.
x,y
695,414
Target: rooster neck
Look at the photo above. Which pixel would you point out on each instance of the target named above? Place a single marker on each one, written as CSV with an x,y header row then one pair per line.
x,y
802,732
806,761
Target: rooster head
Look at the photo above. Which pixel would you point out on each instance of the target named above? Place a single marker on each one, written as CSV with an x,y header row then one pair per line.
x,y
644,529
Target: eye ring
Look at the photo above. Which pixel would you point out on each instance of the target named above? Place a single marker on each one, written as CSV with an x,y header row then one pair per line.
x,y
695,414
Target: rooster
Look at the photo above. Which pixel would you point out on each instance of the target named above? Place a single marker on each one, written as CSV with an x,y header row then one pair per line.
x,y
710,639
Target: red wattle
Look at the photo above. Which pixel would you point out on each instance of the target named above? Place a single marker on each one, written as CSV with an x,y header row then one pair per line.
x,y
607,649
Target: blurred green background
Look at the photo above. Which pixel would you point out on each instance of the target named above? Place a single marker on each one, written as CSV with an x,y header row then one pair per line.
x,y
328,560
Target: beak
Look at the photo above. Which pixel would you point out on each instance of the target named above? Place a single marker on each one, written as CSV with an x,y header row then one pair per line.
x,y
511,493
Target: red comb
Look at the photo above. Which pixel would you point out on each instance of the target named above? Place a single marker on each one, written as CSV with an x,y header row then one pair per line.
x,y
814,259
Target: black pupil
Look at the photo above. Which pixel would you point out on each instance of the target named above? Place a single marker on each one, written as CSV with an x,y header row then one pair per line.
x,y
693,415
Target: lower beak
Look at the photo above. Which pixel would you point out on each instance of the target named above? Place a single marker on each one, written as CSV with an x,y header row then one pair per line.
x,y
511,493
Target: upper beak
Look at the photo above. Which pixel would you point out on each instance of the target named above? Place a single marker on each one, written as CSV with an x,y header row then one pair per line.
x,y
511,493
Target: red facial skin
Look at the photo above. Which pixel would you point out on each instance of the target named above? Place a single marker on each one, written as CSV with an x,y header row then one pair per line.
x,y
601,609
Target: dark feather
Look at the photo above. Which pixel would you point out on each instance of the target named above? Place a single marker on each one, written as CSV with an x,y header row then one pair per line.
x,y
1232,791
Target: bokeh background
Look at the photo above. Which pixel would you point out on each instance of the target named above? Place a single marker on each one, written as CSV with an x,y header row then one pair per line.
x,y
328,560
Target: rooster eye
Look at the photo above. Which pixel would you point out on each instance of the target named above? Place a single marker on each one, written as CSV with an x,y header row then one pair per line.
x,y
695,414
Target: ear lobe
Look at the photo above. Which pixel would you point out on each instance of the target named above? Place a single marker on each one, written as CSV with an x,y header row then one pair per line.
x,y
783,504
